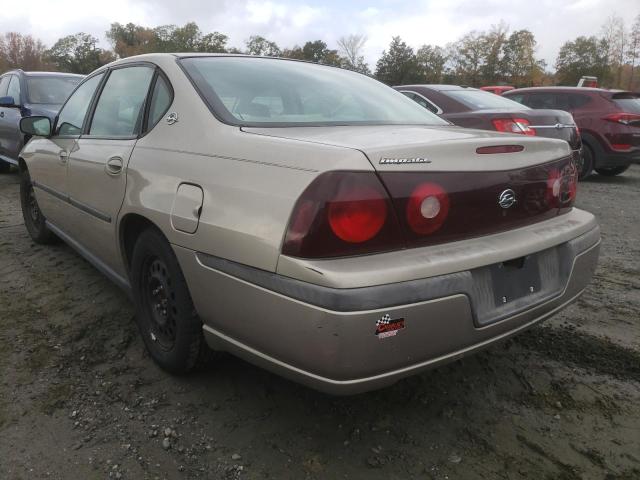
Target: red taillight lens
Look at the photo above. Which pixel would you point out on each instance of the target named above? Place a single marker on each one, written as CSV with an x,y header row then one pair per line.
x,y
514,125
562,186
623,118
342,213
427,208
358,214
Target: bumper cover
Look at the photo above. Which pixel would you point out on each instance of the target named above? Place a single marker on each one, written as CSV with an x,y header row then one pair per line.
x,y
325,337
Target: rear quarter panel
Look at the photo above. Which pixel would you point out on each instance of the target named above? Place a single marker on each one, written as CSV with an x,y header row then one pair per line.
x,y
250,182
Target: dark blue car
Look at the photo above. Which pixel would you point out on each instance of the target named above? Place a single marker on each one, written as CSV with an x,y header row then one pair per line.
x,y
23,94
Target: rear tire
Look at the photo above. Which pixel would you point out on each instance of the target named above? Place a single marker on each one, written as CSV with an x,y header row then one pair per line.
x,y
612,171
586,168
5,167
34,220
167,320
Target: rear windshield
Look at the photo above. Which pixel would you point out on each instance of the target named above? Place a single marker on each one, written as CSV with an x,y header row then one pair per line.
x,y
51,90
256,91
481,100
629,102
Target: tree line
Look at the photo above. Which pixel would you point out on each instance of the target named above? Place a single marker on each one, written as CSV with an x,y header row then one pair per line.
x,y
494,56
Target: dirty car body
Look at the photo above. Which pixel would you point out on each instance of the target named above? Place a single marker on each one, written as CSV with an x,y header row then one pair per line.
x,y
328,228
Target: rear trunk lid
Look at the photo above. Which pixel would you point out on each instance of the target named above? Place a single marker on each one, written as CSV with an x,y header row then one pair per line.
x,y
421,148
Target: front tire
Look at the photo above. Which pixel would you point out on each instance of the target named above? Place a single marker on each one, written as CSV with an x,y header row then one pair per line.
x,y
612,171
167,320
5,167
34,220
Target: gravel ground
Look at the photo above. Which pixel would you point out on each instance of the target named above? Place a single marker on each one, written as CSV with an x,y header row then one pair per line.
x,y
79,397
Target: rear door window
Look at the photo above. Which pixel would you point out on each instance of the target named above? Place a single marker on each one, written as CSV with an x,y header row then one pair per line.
x,y
541,100
120,109
578,100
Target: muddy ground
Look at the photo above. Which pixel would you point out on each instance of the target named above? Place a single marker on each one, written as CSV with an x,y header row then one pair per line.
x,y
80,399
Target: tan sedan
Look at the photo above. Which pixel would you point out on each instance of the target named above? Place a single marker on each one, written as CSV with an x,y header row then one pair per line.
x,y
306,218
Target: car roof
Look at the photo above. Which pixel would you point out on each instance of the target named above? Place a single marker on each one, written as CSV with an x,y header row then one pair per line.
x,y
53,74
566,89
437,87
43,74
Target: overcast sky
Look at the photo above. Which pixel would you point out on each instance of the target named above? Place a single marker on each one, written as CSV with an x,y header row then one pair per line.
x,y
290,22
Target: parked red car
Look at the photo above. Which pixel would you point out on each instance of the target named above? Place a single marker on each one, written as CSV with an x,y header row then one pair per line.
x,y
609,121
497,89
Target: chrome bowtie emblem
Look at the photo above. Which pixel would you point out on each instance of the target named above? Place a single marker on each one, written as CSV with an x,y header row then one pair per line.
x,y
172,118
507,198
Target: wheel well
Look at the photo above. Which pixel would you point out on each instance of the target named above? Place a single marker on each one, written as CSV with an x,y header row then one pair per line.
x,y
131,226
22,165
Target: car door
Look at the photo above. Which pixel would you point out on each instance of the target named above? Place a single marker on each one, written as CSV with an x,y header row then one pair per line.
x,y
48,168
97,165
10,119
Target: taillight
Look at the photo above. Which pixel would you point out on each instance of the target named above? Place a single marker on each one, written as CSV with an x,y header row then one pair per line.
x,y
514,125
342,213
357,215
427,208
623,118
562,185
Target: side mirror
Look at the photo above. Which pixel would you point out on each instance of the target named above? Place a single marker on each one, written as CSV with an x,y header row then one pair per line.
x,y
39,126
7,102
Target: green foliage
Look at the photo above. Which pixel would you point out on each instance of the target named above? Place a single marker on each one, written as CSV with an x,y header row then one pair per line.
x,y
583,56
398,65
78,53
315,51
257,45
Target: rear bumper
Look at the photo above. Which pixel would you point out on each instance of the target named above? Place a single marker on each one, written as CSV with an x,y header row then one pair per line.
x,y
325,337
618,159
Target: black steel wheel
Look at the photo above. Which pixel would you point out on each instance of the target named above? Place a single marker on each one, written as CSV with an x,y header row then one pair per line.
x,y
34,220
167,320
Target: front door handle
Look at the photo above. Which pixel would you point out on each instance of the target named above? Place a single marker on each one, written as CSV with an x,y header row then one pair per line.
x,y
1,114
114,165
63,155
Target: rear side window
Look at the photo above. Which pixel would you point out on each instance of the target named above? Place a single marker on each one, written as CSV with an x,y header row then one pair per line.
x,y
160,101
628,102
14,89
422,101
72,115
579,101
120,109
519,97
541,100
4,84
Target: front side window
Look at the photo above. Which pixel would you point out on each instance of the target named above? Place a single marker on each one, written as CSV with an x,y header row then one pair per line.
x,y
14,89
50,90
267,92
120,109
4,84
541,100
72,115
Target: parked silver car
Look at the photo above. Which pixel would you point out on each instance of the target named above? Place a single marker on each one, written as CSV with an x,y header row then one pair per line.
x,y
306,218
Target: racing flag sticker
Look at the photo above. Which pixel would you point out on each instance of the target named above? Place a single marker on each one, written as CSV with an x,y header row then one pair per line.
x,y
388,327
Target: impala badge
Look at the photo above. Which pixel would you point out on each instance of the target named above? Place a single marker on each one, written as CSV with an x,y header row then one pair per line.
x,y
507,198
397,161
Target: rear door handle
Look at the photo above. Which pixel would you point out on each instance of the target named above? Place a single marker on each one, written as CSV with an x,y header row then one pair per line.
x,y
63,155
114,165
1,114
